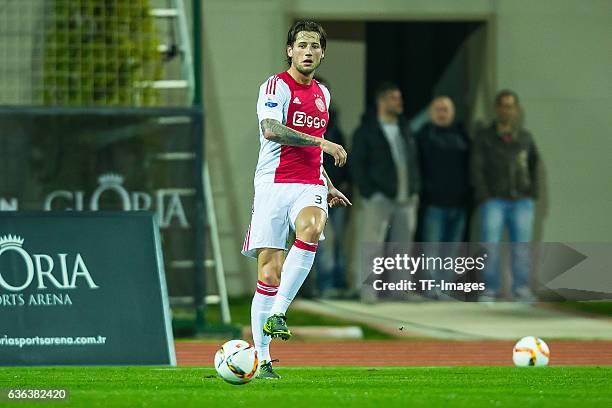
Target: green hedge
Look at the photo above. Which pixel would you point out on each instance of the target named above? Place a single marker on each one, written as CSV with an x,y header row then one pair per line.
x,y
100,52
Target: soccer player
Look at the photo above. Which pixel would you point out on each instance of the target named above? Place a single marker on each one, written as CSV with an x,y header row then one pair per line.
x,y
292,189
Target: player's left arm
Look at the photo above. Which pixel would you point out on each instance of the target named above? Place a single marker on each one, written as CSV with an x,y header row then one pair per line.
x,y
335,198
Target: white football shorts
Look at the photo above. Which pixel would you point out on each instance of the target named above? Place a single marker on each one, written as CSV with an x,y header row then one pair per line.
x,y
275,209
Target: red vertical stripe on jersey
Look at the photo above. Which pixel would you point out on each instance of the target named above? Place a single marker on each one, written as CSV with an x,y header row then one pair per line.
x,y
271,85
247,238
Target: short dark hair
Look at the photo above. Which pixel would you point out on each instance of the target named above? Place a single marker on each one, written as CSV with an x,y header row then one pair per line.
x,y
504,93
305,26
383,88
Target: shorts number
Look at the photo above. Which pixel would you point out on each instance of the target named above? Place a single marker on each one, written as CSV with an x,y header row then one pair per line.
x,y
318,199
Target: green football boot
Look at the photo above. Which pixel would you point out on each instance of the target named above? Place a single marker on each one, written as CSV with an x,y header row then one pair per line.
x,y
276,326
266,372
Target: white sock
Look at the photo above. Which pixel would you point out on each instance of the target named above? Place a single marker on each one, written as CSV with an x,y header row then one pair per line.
x,y
260,311
297,265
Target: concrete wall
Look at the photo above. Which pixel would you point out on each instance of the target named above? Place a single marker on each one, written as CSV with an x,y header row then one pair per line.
x,y
552,52
243,45
556,55
348,85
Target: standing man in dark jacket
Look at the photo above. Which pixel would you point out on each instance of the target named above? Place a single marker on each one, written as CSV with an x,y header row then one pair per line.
x,y
384,166
445,171
444,159
504,175
330,260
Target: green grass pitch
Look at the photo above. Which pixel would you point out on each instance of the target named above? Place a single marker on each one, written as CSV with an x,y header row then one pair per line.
x,y
320,387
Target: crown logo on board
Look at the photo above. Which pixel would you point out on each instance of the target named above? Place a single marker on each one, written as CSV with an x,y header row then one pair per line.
x,y
11,241
110,178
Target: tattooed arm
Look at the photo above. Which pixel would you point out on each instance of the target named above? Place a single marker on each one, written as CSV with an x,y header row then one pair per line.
x,y
275,131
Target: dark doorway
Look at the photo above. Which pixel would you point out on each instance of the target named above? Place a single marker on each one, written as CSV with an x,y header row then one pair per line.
x,y
421,57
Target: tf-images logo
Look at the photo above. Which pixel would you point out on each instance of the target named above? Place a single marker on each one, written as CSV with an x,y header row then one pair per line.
x,y
50,276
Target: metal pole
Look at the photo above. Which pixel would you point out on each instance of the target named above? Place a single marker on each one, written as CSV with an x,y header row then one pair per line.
x,y
197,52
200,278
200,281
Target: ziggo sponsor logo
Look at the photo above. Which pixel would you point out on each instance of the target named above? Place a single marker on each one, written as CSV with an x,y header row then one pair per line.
x,y
303,120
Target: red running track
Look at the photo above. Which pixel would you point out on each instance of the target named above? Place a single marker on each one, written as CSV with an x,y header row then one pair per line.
x,y
406,353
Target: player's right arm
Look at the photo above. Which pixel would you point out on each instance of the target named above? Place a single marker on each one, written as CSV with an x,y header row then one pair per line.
x,y
275,131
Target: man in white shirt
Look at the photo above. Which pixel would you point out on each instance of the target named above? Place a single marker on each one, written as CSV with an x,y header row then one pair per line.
x,y
385,168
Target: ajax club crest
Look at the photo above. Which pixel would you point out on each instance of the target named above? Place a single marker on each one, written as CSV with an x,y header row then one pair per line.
x,y
320,104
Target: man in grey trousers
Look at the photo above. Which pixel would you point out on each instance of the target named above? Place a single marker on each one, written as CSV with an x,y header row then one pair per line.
x,y
384,166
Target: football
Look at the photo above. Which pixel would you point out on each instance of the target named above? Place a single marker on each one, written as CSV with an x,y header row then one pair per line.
x,y
530,351
236,362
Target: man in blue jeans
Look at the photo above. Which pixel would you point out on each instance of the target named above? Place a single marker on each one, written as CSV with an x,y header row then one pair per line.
x,y
444,158
504,175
